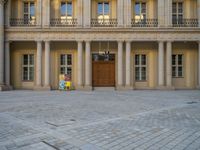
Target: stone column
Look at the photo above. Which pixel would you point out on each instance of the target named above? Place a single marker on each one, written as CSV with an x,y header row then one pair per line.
x,y
199,64
128,64
2,45
80,12
127,12
161,64
161,13
168,13
169,64
46,13
39,63
7,64
39,12
8,11
120,13
120,64
87,13
80,64
47,65
88,66
198,11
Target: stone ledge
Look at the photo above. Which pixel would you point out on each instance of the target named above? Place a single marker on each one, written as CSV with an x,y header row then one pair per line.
x,y
165,88
41,88
5,88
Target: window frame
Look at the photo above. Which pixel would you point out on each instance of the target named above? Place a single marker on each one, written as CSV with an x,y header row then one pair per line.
x,y
66,13
28,66
30,19
177,13
134,10
103,11
140,66
177,65
66,65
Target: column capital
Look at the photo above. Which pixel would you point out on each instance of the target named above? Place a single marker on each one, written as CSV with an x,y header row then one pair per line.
x,y
38,41
47,41
88,41
79,41
2,2
128,41
169,41
120,41
161,41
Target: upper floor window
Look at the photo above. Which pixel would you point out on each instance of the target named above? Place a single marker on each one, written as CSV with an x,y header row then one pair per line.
x,y
177,11
177,66
28,67
66,64
29,13
103,10
140,10
66,10
140,67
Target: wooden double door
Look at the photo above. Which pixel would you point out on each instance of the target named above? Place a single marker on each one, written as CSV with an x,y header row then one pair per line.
x,y
103,73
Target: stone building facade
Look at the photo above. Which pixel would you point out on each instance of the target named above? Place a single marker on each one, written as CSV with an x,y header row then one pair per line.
x,y
126,44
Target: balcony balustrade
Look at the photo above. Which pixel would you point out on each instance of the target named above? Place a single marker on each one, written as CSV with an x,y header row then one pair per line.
x,y
185,22
58,22
21,22
144,22
104,23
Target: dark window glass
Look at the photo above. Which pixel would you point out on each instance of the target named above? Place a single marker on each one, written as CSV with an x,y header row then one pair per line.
x,y
100,8
137,60
63,9
69,9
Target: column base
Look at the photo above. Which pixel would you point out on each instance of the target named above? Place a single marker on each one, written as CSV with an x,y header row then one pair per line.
x,y
41,88
79,87
128,87
198,87
6,88
120,88
88,88
165,88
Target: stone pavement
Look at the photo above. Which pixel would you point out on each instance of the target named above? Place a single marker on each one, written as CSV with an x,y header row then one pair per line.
x,y
100,120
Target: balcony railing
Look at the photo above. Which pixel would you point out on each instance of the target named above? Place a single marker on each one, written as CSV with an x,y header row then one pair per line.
x,y
185,22
58,22
144,22
103,22
21,22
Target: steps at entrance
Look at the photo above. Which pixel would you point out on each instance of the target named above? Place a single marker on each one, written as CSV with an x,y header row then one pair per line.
x,y
104,88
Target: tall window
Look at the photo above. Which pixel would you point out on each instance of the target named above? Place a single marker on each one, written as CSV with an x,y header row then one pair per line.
x,y
66,10
29,13
28,67
140,67
177,66
66,64
103,10
177,12
140,10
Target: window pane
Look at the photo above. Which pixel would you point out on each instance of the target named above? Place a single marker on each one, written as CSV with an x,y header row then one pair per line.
x,y
180,7
25,7
31,73
137,73
137,9
69,71
173,71
31,59
62,60
180,71
69,9
25,60
69,59
100,8
173,59
143,59
179,59
173,7
62,70
25,73
63,9
143,73
106,8
32,9
143,8
137,61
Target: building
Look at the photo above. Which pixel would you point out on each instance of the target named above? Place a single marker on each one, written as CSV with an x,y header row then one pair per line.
x,y
127,44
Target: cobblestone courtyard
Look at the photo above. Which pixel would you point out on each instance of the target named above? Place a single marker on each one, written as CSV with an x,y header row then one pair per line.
x,y
100,120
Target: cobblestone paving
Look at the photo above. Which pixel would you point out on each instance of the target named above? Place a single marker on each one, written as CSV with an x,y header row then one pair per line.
x,y
134,120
